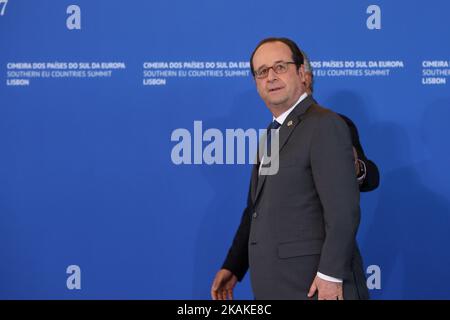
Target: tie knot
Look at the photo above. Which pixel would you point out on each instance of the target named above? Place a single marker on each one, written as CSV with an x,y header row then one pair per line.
x,y
275,125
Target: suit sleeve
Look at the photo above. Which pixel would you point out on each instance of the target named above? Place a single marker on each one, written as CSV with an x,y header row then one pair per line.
x,y
237,257
372,179
335,180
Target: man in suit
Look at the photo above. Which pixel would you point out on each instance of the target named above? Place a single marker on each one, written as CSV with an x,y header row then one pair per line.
x,y
366,170
297,234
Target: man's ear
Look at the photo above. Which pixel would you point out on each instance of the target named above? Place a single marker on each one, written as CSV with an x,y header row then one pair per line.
x,y
301,72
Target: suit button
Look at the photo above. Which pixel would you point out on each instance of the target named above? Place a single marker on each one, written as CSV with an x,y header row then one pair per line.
x,y
253,243
255,215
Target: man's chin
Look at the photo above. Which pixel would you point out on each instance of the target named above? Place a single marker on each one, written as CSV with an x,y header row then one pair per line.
x,y
277,103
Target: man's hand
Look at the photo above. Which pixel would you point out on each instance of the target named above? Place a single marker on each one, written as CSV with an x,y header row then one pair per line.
x,y
223,285
328,290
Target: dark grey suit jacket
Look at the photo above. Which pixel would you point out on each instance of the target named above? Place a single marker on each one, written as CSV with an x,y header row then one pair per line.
x,y
304,219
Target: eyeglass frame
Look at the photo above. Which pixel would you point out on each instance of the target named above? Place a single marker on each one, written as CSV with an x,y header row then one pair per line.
x,y
272,67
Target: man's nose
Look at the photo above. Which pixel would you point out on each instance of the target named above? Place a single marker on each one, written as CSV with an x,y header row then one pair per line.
x,y
271,76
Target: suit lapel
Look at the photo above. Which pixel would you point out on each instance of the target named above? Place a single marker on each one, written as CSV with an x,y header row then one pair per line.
x,y
291,122
254,182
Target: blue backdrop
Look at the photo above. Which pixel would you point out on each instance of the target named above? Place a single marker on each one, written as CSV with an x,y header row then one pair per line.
x,y
91,92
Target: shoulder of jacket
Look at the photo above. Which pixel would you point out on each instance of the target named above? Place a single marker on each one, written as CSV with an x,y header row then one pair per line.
x,y
316,110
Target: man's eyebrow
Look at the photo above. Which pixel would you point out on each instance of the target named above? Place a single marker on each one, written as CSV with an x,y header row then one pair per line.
x,y
261,67
278,61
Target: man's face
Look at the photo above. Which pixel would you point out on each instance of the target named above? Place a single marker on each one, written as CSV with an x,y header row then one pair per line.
x,y
279,91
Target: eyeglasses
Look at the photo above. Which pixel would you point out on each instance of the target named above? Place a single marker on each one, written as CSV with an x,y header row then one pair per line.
x,y
278,68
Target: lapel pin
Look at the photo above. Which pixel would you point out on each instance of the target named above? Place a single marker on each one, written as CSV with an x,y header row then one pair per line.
x,y
290,123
